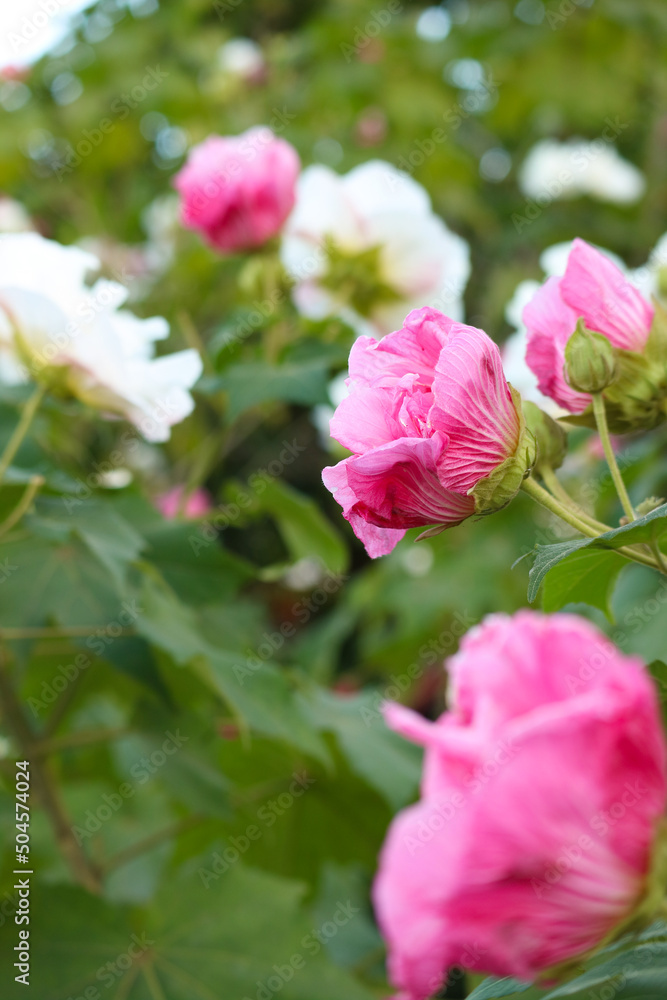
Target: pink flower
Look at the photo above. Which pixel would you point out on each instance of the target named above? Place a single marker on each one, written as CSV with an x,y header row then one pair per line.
x,y
197,504
594,289
238,190
543,786
429,415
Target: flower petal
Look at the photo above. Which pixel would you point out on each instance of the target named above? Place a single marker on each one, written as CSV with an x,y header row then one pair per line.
x,y
599,291
474,408
551,323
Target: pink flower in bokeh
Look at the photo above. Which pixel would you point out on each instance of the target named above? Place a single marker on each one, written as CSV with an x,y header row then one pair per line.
x,y
197,504
542,791
428,416
594,289
238,190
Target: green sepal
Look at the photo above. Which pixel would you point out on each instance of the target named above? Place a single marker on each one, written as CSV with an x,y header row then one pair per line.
x,y
590,362
551,437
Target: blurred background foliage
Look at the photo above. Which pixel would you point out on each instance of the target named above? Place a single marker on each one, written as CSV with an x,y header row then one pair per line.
x,y
204,658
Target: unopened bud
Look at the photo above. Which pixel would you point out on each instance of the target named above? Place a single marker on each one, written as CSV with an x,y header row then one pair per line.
x,y
550,436
590,363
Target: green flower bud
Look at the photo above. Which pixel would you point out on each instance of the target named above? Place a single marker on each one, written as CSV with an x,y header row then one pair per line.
x,y
551,438
590,363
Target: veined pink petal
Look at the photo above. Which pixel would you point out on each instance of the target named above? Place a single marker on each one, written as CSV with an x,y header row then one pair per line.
x,y
398,487
414,349
474,408
595,288
551,323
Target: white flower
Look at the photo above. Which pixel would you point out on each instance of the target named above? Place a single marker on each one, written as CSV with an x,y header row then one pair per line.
x,y
13,217
242,58
56,327
374,207
554,170
31,28
651,279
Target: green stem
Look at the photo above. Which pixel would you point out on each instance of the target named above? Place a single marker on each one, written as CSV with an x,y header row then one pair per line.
x,y
22,506
603,431
553,483
538,493
21,429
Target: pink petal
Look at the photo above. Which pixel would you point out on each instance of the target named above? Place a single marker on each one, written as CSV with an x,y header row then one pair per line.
x,y
414,349
595,288
397,485
551,323
474,408
366,418
377,541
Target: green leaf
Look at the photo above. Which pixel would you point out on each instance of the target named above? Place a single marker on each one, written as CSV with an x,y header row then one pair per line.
x,y
587,577
103,530
546,557
199,574
639,973
304,528
259,693
240,931
46,582
645,529
251,383
492,988
390,764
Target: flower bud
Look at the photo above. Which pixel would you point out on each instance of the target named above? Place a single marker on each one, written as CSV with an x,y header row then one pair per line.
x,y
550,436
590,363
